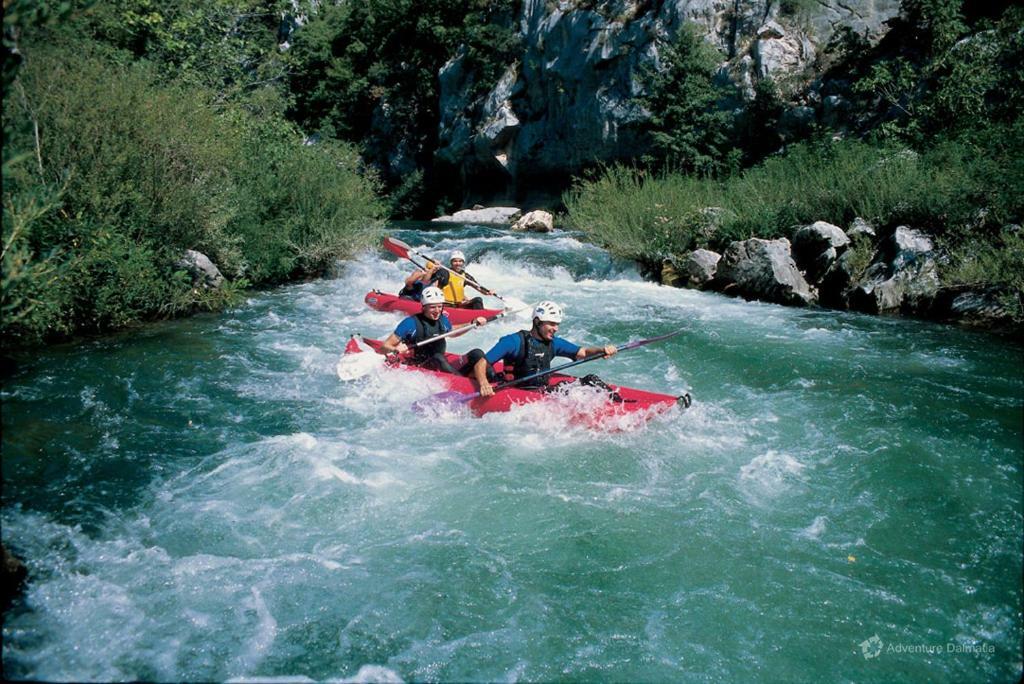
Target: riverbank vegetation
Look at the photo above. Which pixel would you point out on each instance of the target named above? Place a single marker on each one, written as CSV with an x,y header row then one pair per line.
x,y
934,139
134,131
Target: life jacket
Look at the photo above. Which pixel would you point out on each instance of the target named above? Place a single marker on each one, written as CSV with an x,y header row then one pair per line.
x,y
414,291
534,356
455,290
426,329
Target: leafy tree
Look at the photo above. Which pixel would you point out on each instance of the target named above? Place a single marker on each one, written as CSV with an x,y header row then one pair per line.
x,y
690,132
757,127
940,75
229,46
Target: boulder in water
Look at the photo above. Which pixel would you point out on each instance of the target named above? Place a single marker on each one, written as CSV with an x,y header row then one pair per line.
x,y
538,221
816,247
490,215
764,270
902,278
699,267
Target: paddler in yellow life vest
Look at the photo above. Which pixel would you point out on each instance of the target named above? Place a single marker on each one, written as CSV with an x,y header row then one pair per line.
x,y
455,290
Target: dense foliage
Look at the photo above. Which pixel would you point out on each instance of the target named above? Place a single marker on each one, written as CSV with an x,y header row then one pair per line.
x,y
122,149
367,72
935,139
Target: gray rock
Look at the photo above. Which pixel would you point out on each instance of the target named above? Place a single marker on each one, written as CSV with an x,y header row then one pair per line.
x,y
836,282
538,221
987,308
203,271
796,122
490,215
776,52
906,246
816,247
765,270
859,227
979,308
699,267
902,278
834,110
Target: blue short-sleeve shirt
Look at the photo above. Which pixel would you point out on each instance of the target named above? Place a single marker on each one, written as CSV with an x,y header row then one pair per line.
x,y
509,347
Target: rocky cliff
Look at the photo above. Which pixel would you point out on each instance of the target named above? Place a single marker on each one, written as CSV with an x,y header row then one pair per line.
x,y
574,96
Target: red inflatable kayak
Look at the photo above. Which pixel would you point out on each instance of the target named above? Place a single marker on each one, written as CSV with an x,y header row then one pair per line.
x,y
389,302
630,401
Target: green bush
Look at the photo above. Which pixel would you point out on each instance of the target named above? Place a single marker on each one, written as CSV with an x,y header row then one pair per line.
x,y
229,46
33,281
127,150
299,207
111,172
997,264
636,214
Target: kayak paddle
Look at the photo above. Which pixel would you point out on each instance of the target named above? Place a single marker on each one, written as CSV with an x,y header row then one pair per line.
x,y
454,396
401,249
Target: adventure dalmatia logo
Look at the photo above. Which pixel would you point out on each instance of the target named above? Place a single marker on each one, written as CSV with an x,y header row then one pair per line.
x,y
873,646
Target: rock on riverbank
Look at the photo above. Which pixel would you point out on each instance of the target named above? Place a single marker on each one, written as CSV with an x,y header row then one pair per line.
x,y
893,271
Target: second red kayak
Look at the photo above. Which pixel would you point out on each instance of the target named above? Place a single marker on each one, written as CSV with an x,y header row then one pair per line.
x,y
380,301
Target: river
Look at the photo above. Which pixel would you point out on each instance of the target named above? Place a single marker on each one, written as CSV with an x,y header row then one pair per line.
x,y
205,500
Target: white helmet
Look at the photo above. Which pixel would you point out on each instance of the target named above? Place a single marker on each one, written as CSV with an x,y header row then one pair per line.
x,y
548,312
432,295
457,254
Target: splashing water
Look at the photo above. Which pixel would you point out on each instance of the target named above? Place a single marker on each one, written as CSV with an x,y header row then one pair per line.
x,y
206,500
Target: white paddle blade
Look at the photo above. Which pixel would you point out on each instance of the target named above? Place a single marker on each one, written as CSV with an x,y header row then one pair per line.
x,y
355,366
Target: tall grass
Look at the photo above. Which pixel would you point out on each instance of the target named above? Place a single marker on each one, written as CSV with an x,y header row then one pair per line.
x,y
637,215
962,192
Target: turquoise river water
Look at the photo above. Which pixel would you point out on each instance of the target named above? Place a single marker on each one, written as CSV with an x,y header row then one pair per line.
x,y
206,500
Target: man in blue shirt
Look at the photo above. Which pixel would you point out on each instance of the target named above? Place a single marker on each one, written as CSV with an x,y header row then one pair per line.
x,y
430,322
530,351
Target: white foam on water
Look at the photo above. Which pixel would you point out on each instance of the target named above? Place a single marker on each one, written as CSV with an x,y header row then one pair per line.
x,y
770,474
259,644
816,528
281,679
373,674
